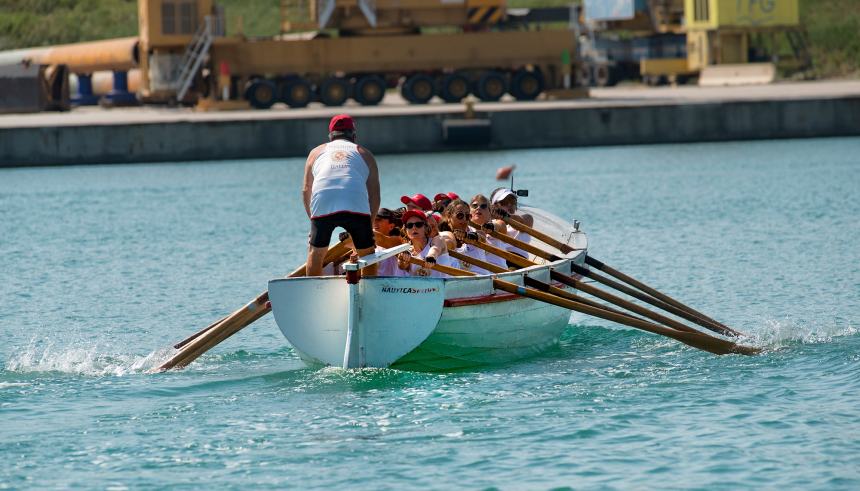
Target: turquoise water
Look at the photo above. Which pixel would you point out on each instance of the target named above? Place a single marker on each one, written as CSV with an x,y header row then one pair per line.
x,y
103,267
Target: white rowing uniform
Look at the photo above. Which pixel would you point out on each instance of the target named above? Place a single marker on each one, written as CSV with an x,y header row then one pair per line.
x,y
520,236
388,266
340,181
473,252
489,256
415,270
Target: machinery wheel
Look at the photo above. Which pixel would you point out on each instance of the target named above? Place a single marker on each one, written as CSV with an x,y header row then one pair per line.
x,y
296,92
418,89
491,86
334,91
369,90
526,85
602,75
454,87
261,94
583,76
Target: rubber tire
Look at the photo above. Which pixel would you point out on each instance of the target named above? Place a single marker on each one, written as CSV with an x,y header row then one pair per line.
x,y
425,85
491,86
261,94
583,76
340,94
450,95
296,92
602,75
526,85
373,83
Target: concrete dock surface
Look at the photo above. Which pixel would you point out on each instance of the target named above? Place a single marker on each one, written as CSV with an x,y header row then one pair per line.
x,y
394,105
626,115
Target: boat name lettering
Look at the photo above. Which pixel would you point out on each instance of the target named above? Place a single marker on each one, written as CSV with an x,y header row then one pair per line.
x,y
408,290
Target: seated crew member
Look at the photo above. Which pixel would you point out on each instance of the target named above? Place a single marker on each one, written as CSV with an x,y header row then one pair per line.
x,y
417,232
385,229
480,207
504,205
417,202
341,189
421,202
457,216
442,200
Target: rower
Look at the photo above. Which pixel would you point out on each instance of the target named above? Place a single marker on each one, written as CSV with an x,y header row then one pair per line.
x,y
457,216
422,203
385,229
442,200
504,205
417,232
480,208
341,189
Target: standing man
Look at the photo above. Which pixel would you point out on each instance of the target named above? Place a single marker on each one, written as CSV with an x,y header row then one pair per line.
x,y
341,189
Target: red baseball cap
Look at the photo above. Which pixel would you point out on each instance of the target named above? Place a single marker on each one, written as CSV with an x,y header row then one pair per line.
x,y
418,200
413,213
452,196
341,122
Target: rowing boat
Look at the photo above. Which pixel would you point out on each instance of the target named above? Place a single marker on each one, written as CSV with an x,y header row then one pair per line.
x,y
420,323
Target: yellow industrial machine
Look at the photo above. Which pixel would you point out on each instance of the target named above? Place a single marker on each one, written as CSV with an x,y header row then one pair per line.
x,y
670,40
332,50
720,31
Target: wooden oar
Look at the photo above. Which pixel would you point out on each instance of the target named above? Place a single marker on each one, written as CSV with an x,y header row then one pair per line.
x,y
584,287
441,267
206,339
713,324
537,234
588,273
300,271
695,339
654,293
537,284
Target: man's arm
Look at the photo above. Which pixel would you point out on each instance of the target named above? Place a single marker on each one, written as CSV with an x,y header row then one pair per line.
x,y
307,186
372,181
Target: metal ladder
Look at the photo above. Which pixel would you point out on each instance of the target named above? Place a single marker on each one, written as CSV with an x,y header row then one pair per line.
x,y
193,57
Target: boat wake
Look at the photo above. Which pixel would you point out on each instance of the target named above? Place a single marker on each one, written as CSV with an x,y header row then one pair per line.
x,y
776,334
89,361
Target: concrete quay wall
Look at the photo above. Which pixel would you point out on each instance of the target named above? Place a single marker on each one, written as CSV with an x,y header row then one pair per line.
x,y
520,127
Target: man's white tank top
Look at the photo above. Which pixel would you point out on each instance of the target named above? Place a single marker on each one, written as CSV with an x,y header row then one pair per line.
x,y
340,181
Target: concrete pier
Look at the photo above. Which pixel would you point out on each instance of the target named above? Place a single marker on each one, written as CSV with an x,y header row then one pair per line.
x,y
619,116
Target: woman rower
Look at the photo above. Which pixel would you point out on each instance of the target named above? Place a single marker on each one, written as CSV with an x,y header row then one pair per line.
x,y
417,232
457,217
504,205
480,207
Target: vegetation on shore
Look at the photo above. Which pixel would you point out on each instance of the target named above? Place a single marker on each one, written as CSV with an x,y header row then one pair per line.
x,y
832,25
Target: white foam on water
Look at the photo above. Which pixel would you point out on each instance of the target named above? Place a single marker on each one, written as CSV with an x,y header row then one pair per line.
x,y
82,360
781,333
10,385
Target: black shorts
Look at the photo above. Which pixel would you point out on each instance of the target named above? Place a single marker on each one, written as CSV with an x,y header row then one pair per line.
x,y
358,226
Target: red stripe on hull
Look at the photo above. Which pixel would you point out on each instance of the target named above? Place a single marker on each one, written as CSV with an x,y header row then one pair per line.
x,y
491,298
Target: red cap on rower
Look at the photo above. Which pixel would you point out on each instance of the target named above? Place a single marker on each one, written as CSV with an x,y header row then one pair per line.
x,y
341,122
452,196
418,200
413,213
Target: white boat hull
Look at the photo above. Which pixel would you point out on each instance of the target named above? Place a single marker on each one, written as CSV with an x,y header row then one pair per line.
x,y
421,323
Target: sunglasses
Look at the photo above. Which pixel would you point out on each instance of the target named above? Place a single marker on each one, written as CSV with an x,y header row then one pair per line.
x,y
482,206
461,216
413,224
